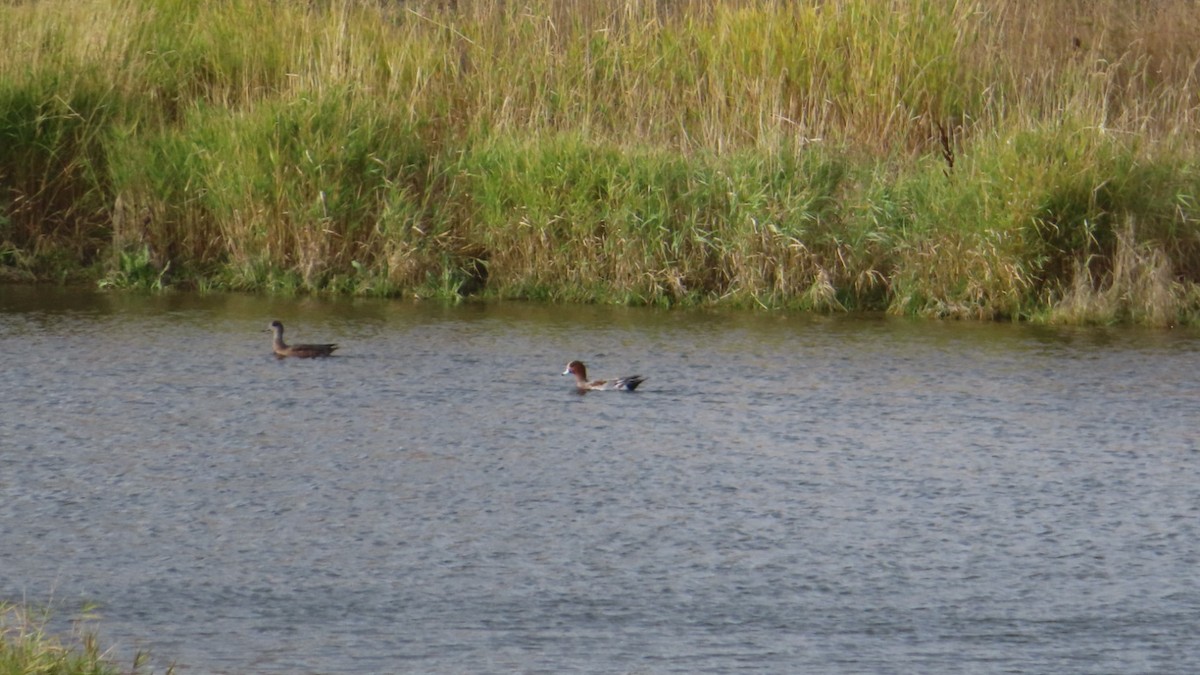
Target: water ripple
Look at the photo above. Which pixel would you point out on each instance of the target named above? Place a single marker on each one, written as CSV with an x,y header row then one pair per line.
x,y
784,494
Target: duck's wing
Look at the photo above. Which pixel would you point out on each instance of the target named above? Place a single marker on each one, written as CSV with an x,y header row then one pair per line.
x,y
628,383
308,350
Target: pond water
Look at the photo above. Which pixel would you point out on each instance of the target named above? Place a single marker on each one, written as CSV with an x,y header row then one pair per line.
x,y
785,493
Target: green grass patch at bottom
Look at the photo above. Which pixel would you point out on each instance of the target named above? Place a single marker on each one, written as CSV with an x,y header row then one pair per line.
x,y
27,648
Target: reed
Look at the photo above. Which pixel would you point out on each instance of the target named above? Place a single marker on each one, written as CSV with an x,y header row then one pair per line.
x,y
26,646
1136,286
935,157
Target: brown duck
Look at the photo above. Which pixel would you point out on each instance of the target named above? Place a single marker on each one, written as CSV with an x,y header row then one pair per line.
x,y
579,370
283,349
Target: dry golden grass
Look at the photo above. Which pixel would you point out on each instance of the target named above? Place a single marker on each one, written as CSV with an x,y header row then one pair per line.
x,y
1137,286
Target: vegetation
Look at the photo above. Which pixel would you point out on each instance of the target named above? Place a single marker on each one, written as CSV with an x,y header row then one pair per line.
x,y
26,648
998,159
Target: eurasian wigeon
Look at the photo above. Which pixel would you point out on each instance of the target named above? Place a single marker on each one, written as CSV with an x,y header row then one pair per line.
x,y
283,349
579,370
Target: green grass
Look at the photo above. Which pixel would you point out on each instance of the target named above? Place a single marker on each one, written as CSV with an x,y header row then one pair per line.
x,y
27,648
957,158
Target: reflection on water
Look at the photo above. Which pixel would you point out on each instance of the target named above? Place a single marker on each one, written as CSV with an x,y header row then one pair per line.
x,y
784,494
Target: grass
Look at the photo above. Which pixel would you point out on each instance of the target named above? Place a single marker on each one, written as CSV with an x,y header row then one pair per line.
x,y
995,160
27,648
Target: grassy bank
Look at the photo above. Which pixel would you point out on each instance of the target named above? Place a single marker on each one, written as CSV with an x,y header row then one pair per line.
x,y
936,157
27,648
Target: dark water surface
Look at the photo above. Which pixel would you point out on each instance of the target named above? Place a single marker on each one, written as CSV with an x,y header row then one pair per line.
x,y
786,494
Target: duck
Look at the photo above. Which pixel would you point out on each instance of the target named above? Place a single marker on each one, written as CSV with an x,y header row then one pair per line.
x,y
309,351
579,370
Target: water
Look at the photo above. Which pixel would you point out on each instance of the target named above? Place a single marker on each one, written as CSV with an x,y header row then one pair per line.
x,y
784,494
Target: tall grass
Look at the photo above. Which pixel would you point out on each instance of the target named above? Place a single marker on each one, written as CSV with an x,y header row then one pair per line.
x,y
941,157
26,646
